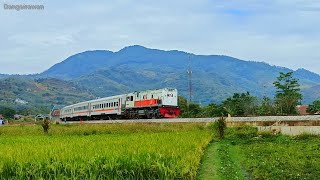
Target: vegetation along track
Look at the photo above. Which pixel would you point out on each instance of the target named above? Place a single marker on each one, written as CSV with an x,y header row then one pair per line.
x,y
232,119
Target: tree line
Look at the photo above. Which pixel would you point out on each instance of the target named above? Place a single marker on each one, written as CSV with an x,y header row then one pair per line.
x,y
286,98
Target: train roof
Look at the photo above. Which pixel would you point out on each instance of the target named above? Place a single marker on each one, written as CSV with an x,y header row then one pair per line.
x,y
148,90
94,100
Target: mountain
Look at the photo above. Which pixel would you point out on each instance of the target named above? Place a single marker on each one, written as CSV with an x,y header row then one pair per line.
x,y
79,64
2,76
307,75
311,94
214,77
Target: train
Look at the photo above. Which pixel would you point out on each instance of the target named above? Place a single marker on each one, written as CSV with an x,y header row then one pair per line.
x,y
158,103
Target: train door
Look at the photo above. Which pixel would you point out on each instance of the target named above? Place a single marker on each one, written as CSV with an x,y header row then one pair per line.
x,y
89,109
129,101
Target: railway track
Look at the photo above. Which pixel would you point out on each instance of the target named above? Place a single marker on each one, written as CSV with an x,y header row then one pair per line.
x,y
258,119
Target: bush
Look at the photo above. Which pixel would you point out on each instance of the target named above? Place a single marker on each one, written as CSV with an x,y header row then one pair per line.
x,y
306,136
46,125
266,134
243,132
220,126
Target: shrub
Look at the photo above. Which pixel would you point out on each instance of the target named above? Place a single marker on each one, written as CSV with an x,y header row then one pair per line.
x,y
46,125
306,136
220,126
243,132
266,134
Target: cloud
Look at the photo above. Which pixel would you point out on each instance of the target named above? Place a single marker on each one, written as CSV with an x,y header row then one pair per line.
x,y
285,32
41,39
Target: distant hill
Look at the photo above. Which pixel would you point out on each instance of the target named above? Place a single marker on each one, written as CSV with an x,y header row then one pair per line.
x,y
214,77
311,94
79,64
2,76
24,93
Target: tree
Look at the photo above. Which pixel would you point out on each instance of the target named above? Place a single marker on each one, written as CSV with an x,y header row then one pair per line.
x,y
188,109
194,110
213,110
240,104
314,107
288,93
182,103
266,107
7,112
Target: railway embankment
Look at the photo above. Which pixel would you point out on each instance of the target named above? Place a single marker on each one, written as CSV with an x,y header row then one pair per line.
x,y
289,125
310,120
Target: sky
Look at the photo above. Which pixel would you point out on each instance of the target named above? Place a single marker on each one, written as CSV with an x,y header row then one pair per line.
x,y
279,32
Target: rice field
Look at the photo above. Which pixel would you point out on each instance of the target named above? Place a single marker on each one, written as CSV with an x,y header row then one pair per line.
x,y
113,151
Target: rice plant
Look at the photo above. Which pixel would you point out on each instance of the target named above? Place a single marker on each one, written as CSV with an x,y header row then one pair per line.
x,y
136,151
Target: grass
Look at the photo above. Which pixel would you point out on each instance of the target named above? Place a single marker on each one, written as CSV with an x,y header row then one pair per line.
x,y
120,151
282,158
247,154
209,164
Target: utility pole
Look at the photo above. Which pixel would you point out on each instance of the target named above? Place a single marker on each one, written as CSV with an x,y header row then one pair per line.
x,y
190,76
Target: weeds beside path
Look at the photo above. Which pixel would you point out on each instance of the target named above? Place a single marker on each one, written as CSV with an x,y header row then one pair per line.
x,y
221,161
209,165
247,154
